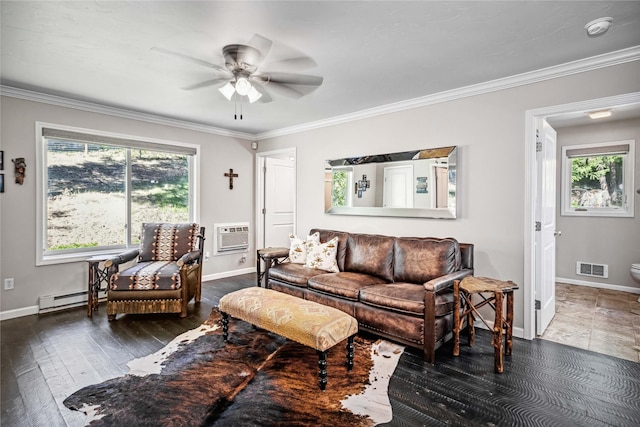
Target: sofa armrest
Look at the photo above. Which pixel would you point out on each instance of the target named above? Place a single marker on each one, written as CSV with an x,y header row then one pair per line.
x,y
122,258
447,280
189,258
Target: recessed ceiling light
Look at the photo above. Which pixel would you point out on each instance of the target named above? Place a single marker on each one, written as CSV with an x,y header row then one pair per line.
x,y
598,26
600,114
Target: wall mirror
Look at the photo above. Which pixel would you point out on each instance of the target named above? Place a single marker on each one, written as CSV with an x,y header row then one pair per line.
x,y
419,183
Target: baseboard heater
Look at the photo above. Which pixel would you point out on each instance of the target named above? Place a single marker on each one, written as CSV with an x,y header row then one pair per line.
x,y
593,270
50,303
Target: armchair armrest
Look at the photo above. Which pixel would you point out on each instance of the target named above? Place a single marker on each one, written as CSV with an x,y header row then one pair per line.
x,y
447,280
121,258
189,258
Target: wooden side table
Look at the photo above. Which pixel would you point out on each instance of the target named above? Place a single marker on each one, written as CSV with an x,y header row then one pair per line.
x,y
464,306
97,275
270,257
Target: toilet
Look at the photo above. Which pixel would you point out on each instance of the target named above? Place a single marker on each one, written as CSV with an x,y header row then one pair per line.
x,y
635,273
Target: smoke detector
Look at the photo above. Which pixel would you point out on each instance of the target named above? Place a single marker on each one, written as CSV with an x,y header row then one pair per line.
x,y
598,26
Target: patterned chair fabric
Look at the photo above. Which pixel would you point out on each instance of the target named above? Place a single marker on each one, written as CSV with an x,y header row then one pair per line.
x,y
167,242
161,245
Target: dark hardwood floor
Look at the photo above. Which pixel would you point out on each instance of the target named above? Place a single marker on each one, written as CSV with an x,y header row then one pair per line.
x,y
45,358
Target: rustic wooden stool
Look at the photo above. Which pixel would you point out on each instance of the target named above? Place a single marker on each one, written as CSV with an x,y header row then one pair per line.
x,y
464,306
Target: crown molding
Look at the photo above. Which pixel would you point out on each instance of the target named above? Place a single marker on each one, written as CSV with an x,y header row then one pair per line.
x,y
580,66
118,112
575,67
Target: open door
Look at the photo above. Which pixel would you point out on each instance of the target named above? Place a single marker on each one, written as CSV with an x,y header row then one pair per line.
x,y
545,240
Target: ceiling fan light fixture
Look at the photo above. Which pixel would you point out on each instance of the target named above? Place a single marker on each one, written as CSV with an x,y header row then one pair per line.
x,y
243,87
253,95
227,90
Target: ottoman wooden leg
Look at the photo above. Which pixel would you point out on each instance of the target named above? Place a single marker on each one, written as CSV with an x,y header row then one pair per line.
x,y
225,326
350,351
322,371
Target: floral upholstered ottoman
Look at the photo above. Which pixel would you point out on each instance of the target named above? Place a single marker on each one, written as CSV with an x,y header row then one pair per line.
x,y
306,322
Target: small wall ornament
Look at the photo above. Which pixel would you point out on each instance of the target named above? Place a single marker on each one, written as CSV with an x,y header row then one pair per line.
x,y
20,166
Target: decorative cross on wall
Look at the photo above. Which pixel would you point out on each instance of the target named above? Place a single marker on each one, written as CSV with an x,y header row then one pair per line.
x,y
231,175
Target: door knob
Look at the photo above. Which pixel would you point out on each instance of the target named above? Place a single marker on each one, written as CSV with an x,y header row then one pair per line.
x,y
557,233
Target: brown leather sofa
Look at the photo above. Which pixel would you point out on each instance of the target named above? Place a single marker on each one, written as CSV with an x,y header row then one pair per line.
x,y
399,288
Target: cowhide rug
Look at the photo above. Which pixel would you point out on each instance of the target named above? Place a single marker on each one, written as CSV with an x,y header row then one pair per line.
x,y
257,378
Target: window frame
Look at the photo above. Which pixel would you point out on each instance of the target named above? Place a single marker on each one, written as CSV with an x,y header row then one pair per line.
x,y
45,257
628,167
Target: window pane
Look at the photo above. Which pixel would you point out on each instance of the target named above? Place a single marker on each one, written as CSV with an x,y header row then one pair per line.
x,y
597,181
159,189
85,195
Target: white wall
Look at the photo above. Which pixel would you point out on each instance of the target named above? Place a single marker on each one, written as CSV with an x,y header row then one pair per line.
x,y
600,240
18,221
489,130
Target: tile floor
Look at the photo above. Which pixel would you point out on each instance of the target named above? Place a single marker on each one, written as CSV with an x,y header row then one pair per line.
x,y
595,319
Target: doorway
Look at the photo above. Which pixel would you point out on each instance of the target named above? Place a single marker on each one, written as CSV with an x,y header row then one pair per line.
x,y
535,191
275,197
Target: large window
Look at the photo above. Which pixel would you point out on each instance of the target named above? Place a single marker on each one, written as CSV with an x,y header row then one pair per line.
x,y
97,189
597,179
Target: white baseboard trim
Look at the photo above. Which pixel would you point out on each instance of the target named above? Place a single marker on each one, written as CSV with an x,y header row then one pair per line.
x,y
598,285
34,309
226,274
19,312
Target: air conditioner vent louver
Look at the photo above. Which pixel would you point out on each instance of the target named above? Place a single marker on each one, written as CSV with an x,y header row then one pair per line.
x,y
231,237
593,270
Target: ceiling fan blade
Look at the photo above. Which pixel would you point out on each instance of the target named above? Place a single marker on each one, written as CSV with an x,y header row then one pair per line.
x,y
300,63
290,79
191,59
265,95
286,90
206,83
263,44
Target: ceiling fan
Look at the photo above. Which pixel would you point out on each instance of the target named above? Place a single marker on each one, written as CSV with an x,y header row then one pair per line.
x,y
244,79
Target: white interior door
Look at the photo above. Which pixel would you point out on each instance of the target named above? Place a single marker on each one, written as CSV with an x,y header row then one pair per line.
x,y
278,201
546,236
398,187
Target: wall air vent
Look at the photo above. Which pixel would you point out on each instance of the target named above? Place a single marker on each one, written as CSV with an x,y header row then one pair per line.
x,y
231,237
593,270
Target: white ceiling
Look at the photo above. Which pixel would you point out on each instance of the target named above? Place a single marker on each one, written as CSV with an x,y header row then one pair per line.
x,y
371,54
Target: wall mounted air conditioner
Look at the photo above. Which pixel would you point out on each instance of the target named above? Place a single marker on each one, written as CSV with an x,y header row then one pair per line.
x,y
231,237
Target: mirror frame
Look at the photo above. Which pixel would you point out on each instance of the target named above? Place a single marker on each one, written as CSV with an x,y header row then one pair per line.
x,y
451,153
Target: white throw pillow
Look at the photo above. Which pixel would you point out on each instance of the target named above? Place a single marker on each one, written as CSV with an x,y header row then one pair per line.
x,y
298,248
323,255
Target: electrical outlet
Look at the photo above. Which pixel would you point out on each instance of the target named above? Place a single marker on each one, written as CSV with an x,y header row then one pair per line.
x,y
8,284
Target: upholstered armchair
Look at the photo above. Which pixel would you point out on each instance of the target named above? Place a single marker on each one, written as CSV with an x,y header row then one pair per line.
x,y
166,275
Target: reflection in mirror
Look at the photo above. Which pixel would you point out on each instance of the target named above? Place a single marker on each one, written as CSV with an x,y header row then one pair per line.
x,y
420,183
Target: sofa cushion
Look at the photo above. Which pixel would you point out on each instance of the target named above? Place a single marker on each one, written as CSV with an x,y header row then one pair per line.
x,y
370,254
144,276
405,298
167,242
322,256
418,260
345,284
295,274
298,247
